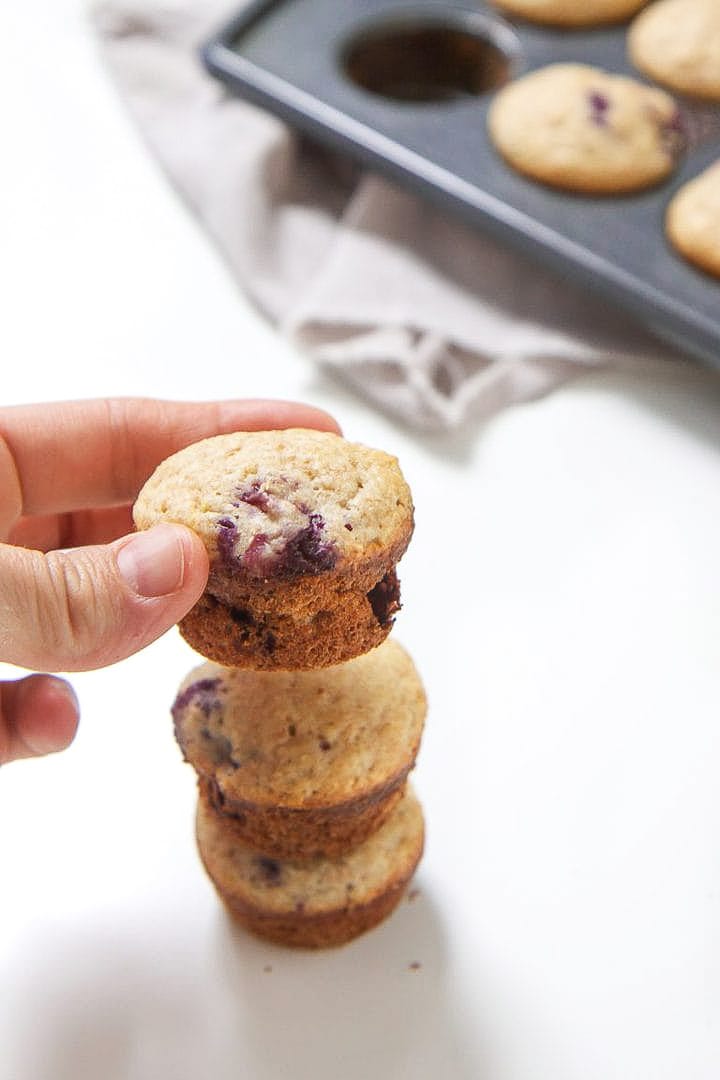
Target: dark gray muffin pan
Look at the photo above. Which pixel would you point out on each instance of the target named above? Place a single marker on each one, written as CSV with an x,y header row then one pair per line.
x,y
405,88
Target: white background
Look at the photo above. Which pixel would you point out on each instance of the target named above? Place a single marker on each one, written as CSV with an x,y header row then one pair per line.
x,y
561,600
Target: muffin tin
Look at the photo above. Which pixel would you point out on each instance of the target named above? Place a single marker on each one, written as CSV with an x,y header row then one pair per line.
x,y
406,88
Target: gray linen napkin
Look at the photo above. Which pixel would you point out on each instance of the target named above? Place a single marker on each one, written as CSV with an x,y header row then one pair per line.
x,y
431,319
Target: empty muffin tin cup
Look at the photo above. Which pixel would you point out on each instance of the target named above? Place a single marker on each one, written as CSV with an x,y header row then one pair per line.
x,y
429,55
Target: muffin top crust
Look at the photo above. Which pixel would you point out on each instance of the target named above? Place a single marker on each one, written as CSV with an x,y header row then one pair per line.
x,y
693,219
281,504
677,42
571,12
579,128
303,739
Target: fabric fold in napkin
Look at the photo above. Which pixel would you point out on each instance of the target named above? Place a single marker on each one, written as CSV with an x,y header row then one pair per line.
x,y
427,316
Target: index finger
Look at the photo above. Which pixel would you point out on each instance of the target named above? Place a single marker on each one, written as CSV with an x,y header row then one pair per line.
x,y
76,455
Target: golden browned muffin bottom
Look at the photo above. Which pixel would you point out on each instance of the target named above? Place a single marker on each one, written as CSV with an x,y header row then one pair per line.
x,y
321,931
302,834
291,629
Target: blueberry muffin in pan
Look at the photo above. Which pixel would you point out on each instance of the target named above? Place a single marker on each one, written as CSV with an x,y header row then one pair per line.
x,y
571,12
579,128
692,221
312,903
304,763
303,531
677,43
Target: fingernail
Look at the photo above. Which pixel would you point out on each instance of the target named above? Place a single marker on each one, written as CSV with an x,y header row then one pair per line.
x,y
64,728
49,727
152,563
64,689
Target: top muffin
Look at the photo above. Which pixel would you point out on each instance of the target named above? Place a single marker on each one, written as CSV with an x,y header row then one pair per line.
x,y
280,504
303,531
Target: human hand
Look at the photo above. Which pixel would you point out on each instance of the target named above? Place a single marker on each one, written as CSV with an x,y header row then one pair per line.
x,y
78,590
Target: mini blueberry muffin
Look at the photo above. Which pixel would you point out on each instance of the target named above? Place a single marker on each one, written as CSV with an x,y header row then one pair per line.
x,y
571,12
692,222
312,903
582,129
303,530
677,43
305,763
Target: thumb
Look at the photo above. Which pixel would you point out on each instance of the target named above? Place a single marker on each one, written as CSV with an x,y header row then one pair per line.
x,y
88,607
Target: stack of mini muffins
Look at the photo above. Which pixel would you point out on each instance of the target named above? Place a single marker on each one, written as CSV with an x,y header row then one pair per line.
x,y
305,722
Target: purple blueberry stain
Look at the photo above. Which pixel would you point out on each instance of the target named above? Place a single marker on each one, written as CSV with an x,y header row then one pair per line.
x,y
674,133
270,870
307,551
599,104
384,599
203,693
254,557
287,552
226,540
324,743
673,130
255,496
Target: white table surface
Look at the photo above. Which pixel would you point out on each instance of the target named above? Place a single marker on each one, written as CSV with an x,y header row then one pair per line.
x,y
561,600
